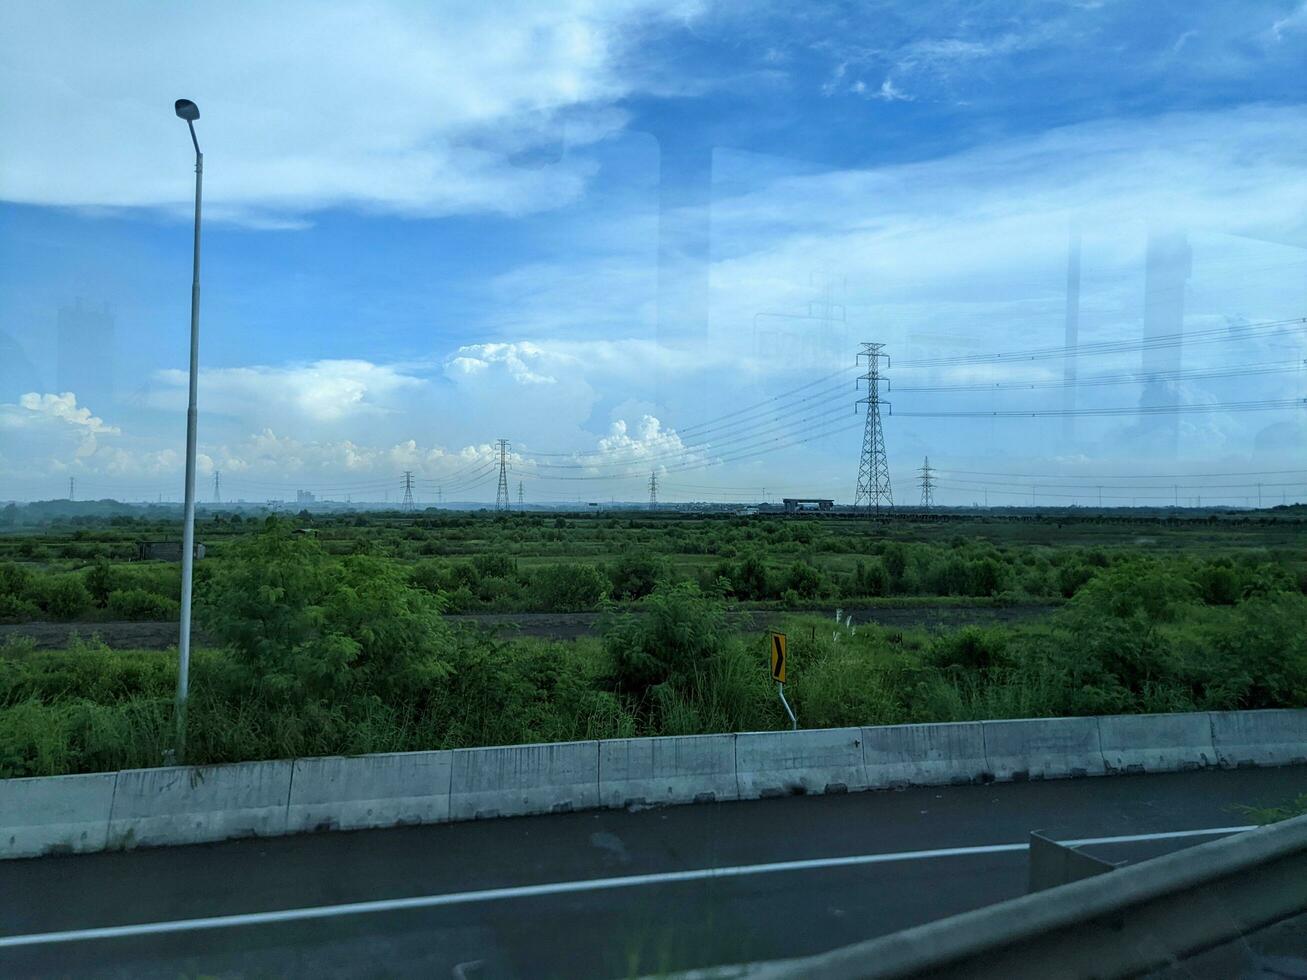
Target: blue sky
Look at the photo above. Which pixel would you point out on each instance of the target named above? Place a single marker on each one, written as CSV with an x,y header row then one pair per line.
x,y
595,228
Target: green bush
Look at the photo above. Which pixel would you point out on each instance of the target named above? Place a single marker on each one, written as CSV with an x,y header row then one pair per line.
x,y
566,588
63,597
636,574
676,632
305,624
137,604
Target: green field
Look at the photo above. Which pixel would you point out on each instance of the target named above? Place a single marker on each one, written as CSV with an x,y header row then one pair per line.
x,y
331,633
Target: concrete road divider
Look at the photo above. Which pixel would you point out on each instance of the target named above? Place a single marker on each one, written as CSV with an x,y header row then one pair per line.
x,y
1260,738
144,807
924,755
1043,748
188,805
55,814
385,790
818,760
1156,743
687,769
521,779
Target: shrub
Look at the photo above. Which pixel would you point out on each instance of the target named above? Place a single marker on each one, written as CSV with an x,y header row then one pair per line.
x,y
871,578
677,631
15,581
63,597
566,588
304,624
804,580
969,648
138,604
636,574
99,583
14,609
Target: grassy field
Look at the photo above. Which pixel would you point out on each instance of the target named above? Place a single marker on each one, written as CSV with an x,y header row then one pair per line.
x,y
339,640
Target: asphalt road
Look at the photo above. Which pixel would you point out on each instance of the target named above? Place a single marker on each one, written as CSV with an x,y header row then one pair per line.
x,y
601,894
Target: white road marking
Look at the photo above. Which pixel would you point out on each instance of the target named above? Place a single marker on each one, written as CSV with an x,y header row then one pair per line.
x,y
560,888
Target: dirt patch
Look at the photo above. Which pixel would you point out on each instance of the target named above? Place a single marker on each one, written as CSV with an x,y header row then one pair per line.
x,y
116,635
549,626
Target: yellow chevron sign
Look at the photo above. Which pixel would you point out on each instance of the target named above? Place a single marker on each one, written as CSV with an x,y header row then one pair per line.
x,y
778,657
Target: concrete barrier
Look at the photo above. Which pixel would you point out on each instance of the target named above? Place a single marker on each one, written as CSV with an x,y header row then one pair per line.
x,y
521,779
387,790
1260,738
55,814
818,760
1043,748
924,755
689,769
1156,743
188,805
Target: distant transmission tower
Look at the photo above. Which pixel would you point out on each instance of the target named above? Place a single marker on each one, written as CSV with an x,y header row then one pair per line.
x,y
873,469
72,487
927,485
407,503
501,495
217,486
653,489
521,495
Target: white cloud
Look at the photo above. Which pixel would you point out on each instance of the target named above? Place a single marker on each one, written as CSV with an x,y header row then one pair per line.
x,y
48,429
393,106
321,392
1296,21
64,408
888,92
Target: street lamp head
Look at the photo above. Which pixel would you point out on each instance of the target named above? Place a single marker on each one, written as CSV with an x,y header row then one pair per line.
x,y
188,110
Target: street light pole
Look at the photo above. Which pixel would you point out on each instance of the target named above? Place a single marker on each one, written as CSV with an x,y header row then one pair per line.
x,y
190,112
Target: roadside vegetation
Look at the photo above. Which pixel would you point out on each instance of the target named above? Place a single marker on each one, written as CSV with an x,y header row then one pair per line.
x,y
324,650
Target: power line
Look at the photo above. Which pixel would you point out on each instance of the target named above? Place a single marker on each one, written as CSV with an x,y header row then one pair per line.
x,y
1187,338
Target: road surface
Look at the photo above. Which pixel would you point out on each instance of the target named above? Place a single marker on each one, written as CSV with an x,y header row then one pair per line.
x,y
596,894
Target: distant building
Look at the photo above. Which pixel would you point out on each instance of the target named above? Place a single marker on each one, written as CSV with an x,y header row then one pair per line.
x,y
305,497
794,505
164,550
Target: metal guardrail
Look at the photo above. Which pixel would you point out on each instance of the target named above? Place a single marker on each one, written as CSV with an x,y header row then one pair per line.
x,y
1135,919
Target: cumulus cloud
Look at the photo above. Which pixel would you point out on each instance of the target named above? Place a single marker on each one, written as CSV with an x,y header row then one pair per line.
x,y
321,392
393,106
49,433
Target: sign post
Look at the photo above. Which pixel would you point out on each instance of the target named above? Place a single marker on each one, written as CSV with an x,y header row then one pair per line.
x,y
778,657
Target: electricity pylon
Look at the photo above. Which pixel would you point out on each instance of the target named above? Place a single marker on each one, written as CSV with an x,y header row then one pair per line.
x,y
873,469
407,503
217,487
653,489
927,485
521,495
501,495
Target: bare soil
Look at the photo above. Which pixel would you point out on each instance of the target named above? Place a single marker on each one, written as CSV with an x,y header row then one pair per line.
x,y
552,626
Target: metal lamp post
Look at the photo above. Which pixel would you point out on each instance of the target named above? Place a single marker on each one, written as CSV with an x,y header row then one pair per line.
x,y
187,110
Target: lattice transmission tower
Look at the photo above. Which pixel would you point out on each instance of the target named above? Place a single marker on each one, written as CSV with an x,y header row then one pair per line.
x,y
653,489
407,503
501,495
521,494
927,485
873,469
217,486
